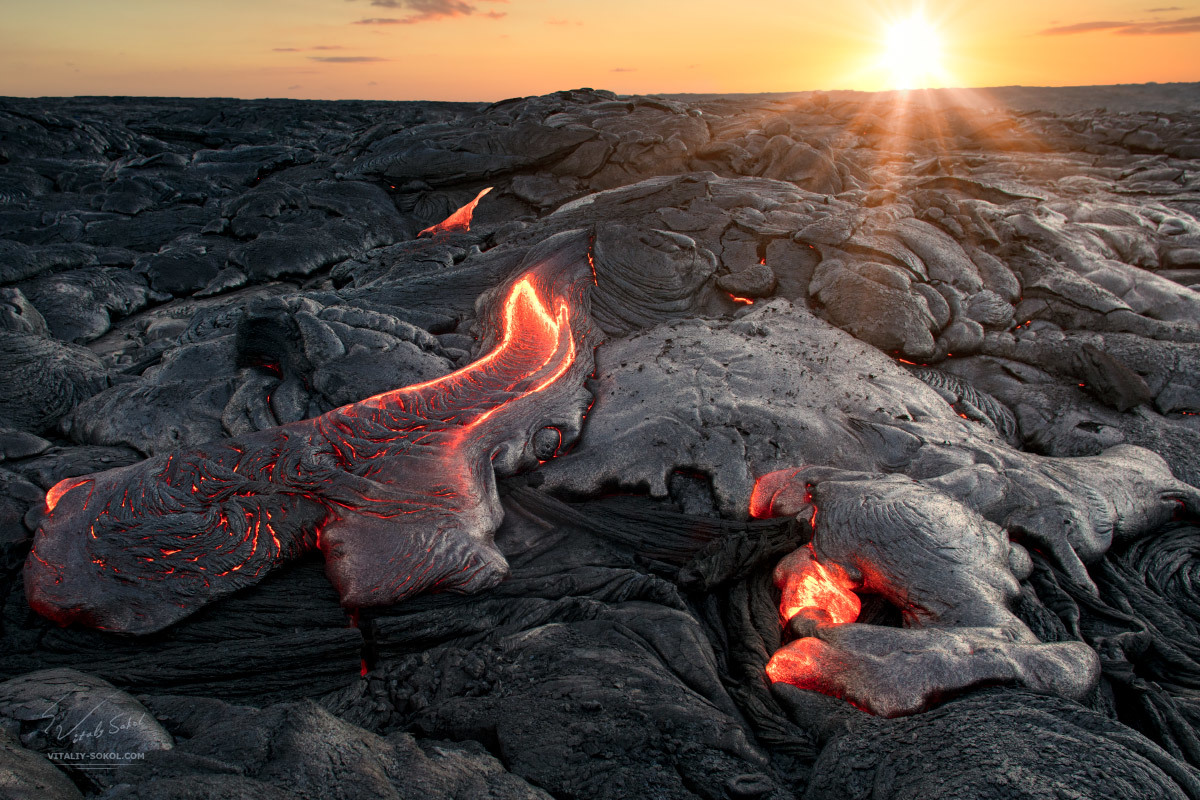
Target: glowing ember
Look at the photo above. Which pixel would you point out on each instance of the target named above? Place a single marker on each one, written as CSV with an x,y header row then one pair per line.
x,y
459,221
745,300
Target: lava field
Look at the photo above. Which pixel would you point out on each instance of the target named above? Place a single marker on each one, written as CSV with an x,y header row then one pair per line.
x,y
829,445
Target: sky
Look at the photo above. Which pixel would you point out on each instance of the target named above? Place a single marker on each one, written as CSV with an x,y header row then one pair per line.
x,y
493,49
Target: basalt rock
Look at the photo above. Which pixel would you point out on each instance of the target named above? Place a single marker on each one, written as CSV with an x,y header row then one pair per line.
x,y
44,380
72,716
301,750
27,775
1062,744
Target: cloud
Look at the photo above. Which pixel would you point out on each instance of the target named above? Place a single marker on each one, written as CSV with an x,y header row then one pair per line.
x,y
302,49
1173,27
346,59
1163,9
428,11
623,69
1083,27
1185,25
293,87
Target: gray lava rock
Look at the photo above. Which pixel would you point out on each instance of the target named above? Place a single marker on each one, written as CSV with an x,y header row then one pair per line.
x,y
18,314
82,720
1064,749
44,379
300,750
990,310
875,305
79,306
20,444
26,775
17,496
644,277
757,280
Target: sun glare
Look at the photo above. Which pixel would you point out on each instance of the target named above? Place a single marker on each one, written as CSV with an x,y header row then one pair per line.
x,y
913,54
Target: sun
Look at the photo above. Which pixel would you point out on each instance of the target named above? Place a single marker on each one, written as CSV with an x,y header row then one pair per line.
x,y
912,54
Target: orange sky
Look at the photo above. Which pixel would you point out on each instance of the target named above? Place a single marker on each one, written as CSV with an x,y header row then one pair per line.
x,y
492,49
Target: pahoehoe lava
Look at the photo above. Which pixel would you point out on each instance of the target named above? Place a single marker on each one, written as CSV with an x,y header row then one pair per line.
x,y
822,446
397,491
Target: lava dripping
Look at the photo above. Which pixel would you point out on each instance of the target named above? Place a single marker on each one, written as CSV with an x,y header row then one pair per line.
x,y
459,221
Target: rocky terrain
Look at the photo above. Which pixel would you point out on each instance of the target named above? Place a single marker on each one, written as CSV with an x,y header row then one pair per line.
x,y
942,352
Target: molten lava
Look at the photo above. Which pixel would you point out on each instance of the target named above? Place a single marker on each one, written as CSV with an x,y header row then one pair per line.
x,y
459,221
59,489
812,590
822,593
799,663
532,338
397,490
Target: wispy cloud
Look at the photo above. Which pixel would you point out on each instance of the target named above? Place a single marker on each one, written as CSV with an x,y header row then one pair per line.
x,y
623,69
1164,9
1184,25
428,11
1130,28
305,49
346,59
1083,27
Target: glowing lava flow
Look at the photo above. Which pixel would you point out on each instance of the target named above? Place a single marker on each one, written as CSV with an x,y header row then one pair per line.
x,y
459,221
821,593
815,592
59,489
397,491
